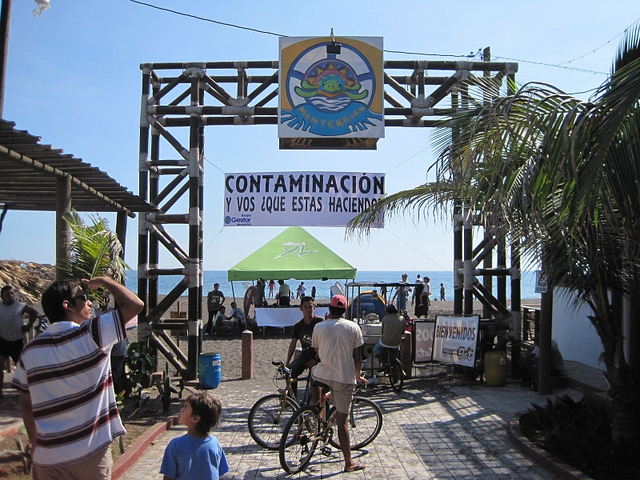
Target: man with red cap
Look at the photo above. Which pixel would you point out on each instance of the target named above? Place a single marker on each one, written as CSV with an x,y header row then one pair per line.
x,y
337,342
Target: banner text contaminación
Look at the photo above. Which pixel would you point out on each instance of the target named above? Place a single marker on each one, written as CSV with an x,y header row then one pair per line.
x,y
306,183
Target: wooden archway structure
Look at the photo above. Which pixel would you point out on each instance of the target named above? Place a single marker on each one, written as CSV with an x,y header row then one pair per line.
x,y
197,95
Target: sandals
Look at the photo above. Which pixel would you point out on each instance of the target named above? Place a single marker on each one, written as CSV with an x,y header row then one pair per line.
x,y
355,467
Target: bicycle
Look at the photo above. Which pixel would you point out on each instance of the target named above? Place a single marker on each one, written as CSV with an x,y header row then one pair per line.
x,y
392,368
269,414
313,424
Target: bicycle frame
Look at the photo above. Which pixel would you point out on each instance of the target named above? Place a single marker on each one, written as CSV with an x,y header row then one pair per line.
x,y
272,410
314,424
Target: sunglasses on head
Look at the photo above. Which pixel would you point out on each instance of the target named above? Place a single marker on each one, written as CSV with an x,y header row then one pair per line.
x,y
82,297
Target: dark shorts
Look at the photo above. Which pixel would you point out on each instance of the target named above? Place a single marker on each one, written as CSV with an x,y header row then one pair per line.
x,y
11,349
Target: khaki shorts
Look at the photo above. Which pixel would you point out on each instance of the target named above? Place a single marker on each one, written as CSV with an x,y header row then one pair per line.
x,y
96,467
341,394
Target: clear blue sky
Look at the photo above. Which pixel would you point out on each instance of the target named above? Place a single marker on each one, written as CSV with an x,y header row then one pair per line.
x,y
74,79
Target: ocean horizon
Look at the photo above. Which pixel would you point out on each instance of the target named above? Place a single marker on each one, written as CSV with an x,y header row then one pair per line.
x,y
166,283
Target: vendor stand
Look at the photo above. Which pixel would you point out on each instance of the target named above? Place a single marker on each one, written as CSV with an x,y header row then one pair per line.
x,y
294,254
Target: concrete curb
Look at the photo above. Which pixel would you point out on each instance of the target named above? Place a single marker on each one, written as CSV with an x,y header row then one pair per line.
x,y
541,456
137,449
11,429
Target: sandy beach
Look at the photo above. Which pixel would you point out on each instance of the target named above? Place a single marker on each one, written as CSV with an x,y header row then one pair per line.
x,y
437,307
272,344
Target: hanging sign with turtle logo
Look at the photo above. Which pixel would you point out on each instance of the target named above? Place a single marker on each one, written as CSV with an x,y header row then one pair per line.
x,y
331,88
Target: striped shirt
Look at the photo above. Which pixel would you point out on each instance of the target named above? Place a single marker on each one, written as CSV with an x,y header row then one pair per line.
x,y
67,372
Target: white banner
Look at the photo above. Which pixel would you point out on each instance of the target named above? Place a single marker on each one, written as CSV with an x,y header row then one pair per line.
x,y
313,199
455,340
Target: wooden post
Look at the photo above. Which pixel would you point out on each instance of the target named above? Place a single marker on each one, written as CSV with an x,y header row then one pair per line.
x,y
63,233
406,353
144,329
5,22
247,354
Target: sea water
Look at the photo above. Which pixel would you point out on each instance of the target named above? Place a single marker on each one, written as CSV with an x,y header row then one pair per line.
x,y
166,283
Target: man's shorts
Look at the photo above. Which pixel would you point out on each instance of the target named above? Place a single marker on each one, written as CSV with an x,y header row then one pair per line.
x,y
341,394
98,466
11,349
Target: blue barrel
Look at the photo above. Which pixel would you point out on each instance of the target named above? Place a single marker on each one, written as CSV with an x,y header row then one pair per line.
x,y
210,370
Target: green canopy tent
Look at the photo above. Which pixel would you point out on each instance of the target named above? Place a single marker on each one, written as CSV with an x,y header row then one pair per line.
x,y
295,253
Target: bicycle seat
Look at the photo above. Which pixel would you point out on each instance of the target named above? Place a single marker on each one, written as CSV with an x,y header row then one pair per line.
x,y
277,364
325,388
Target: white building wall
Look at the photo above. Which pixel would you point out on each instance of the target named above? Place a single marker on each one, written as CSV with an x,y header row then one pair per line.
x,y
572,330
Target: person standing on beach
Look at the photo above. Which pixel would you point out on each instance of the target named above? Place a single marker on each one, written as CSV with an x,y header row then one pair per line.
x,y
215,299
337,342
442,299
420,309
426,294
198,453
303,331
402,293
258,297
313,292
12,327
64,377
284,294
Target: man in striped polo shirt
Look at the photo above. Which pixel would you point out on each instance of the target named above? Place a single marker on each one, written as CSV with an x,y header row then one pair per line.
x,y
64,375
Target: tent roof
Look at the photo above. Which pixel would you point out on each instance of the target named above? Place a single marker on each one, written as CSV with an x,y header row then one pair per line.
x,y
295,253
31,171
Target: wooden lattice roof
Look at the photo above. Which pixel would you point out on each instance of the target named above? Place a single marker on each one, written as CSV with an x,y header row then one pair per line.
x,y
29,172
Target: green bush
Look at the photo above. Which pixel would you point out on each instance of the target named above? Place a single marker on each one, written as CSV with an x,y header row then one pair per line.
x,y
140,364
578,432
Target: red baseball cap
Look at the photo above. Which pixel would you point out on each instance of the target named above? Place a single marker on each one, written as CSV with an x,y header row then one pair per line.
x,y
338,301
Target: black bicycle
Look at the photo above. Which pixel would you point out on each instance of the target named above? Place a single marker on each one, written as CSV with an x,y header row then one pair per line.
x,y
269,414
314,424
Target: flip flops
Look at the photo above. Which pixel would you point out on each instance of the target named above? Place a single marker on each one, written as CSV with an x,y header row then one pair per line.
x,y
354,468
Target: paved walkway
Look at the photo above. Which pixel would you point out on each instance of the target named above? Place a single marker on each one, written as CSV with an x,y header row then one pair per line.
x,y
435,429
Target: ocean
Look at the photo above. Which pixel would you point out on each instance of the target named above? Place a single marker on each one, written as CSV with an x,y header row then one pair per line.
x,y
166,283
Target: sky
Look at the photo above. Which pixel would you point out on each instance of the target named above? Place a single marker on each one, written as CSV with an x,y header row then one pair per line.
x,y
74,79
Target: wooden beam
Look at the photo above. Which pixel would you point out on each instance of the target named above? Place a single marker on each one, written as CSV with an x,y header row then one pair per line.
x,y
63,232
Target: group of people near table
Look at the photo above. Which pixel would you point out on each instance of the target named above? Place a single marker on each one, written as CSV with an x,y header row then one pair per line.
x,y
420,295
219,323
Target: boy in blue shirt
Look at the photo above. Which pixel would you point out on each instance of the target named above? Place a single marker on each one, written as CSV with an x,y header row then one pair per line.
x,y
198,454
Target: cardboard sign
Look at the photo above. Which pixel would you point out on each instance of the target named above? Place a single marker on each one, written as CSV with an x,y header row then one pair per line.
x,y
424,331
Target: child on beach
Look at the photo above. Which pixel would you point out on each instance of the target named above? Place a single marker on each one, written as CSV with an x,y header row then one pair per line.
x,y
197,454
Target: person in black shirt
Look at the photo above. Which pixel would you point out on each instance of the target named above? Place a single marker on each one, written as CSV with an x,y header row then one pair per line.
x,y
215,299
302,331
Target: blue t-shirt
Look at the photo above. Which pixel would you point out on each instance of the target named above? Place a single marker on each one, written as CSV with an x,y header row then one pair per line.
x,y
192,458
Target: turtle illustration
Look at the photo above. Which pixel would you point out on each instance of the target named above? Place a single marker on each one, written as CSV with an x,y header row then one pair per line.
x,y
331,79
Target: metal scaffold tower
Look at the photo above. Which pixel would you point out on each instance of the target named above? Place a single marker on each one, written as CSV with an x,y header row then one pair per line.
x,y
171,168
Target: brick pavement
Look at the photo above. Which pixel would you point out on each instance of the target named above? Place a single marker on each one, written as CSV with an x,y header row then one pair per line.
x,y
436,428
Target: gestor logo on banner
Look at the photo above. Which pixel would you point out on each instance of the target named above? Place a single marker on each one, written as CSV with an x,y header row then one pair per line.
x,y
313,199
330,88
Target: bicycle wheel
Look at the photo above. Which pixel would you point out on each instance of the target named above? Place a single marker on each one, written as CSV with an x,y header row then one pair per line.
x,y
396,375
299,439
267,419
365,423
